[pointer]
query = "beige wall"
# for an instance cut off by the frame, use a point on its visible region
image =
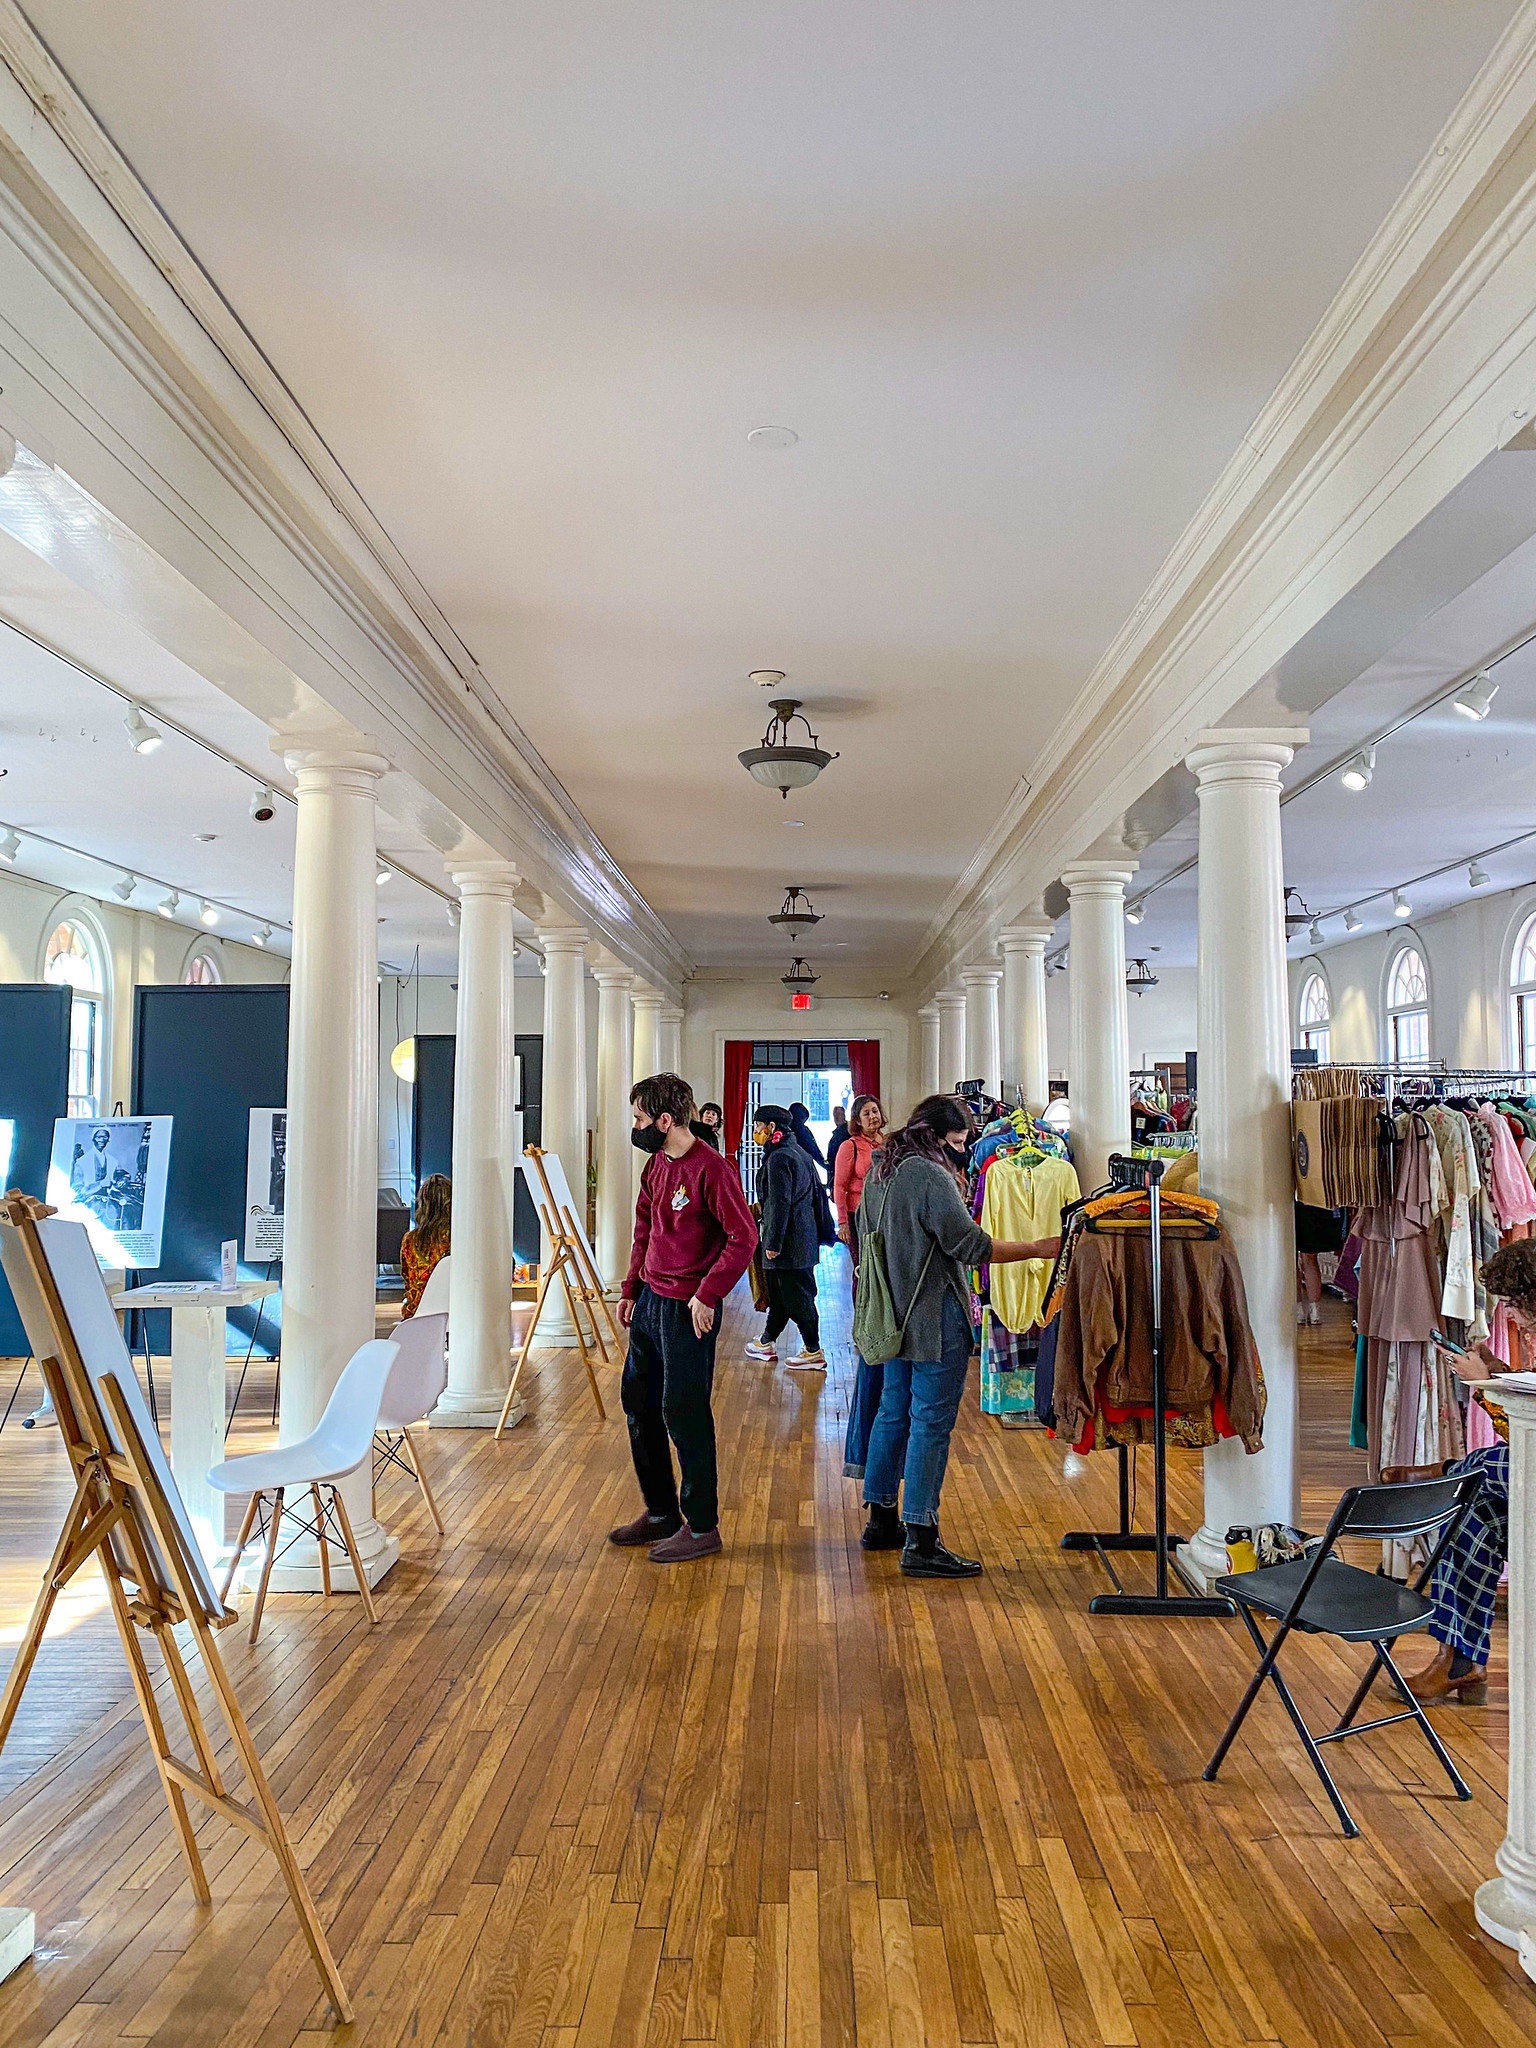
(1160, 1024)
(717, 1010)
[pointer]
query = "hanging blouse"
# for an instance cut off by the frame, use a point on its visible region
(1514, 1199)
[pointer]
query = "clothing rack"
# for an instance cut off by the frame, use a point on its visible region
(1145, 1173)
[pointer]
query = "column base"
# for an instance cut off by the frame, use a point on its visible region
(1203, 1559)
(1506, 1909)
(476, 1408)
(299, 1570)
(18, 1938)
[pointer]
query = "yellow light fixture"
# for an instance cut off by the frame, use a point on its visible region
(403, 1061)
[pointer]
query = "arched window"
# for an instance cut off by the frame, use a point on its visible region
(73, 957)
(1408, 1009)
(1316, 1015)
(201, 971)
(1522, 990)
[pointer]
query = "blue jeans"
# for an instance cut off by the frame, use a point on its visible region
(918, 1405)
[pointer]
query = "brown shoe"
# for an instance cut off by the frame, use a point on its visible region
(685, 1546)
(1435, 1683)
(644, 1529)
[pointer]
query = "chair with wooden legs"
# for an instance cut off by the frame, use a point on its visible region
(415, 1385)
(332, 1451)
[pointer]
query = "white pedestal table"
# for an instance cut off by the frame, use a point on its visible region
(1506, 1904)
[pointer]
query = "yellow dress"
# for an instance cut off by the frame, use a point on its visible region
(1022, 1201)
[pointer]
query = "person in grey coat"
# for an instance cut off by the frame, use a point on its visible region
(913, 1197)
(789, 1239)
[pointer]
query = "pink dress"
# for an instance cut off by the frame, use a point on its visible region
(1514, 1199)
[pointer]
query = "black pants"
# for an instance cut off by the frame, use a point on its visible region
(665, 1390)
(791, 1299)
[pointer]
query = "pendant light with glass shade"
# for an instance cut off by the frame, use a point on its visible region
(798, 915)
(801, 974)
(779, 762)
(1139, 978)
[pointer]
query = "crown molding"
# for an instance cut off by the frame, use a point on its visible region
(1412, 377)
(191, 438)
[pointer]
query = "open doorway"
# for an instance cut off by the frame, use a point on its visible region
(817, 1072)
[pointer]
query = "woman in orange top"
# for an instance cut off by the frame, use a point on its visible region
(866, 1134)
(421, 1248)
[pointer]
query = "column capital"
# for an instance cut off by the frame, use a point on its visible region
(671, 1013)
(613, 977)
(948, 996)
(1101, 878)
(1249, 753)
(928, 1012)
(330, 760)
(496, 878)
(564, 938)
(982, 975)
(1030, 935)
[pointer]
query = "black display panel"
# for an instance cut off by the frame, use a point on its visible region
(34, 1090)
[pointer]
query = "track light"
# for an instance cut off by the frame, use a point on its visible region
(260, 938)
(1359, 769)
(1401, 907)
(125, 888)
(1476, 876)
(263, 806)
(142, 736)
(207, 912)
(1353, 921)
(169, 905)
(1476, 700)
(1316, 933)
(1135, 912)
(453, 910)
(383, 875)
(10, 846)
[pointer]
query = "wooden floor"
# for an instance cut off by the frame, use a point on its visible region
(564, 1796)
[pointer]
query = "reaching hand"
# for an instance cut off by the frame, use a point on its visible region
(703, 1316)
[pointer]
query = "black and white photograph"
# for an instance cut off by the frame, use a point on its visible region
(266, 1181)
(109, 1173)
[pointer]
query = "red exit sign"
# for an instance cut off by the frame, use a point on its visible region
(802, 999)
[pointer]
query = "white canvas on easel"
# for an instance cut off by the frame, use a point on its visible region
(560, 1188)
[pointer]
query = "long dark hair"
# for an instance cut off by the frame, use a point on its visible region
(922, 1136)
(434, 1215)
(857, 1108)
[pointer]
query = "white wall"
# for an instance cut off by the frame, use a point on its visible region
(1161, 1023)
(141, 946)
(1467, 951)
(715, 1010)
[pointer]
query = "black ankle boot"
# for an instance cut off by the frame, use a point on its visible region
(883, 1531)
(926, 1558)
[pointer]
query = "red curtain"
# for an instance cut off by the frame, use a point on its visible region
(864, 1064)
(738, 1065)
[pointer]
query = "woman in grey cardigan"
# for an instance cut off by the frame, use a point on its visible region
(914, 1198)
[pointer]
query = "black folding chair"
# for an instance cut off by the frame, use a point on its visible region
(1322, 1595)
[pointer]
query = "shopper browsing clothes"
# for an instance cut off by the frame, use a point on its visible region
(1467, 1578)
(866, 1134)
(790, 1240)
(429, 1240)
(694, 1238)
(913, 1195)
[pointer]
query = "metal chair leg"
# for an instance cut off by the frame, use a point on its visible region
(1255, 1686)
(1346, 1818)
(1463, 1790)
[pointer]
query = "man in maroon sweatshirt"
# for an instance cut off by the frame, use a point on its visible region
(694, 1237)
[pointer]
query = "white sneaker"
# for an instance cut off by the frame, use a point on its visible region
(808, 1361)
(1301, 1313)
(1314, 1313)
(764, 1351)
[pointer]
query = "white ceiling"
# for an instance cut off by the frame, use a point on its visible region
(1018, 274)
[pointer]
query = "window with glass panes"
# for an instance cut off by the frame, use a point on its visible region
(201, 972)
(1408, 1009)
(1522, 992)
(74, 959)
(1316, 1016)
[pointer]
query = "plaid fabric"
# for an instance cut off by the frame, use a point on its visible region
(1007, 1367)
(1467, 1577)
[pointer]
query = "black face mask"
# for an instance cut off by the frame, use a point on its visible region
(648, 1140)
(959, 1150)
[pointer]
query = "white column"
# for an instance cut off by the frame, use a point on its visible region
(1506, 1904)
(669, 1048)
(564, 1110)
(615, 1182)
(329, 1240)
(1244, 1038)
(928, 1061)
(982, 1059)
(647, 1006)
(1025, 1053)
(1098, 1063)
(484, 1152)
(951, 1002)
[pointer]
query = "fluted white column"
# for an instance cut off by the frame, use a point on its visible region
(1098, 1063)
(928, 1058)
(563, 1119)
(1506, 1904)
(484, 1152)
(1025, 1052)
(670, 1043)
(329, 1243)
(1245, 1106)
(615, 1182)
(982, 1057)
(951, 1002)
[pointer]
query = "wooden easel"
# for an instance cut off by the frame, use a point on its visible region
(122, 1516)
(571, 1263)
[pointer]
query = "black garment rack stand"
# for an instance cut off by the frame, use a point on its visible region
(1145, 1173)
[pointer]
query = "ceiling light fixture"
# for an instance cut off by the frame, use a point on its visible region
(1135, 912)
(1476, 876)
(207, 912)
(1401, 907)
(1476, 700)
(1358, 770)
(1353, 921)
(801, 974)
(123, 889)
(261, 937)
(454, 913)
(1139, 978)
(10, 846)
(142, 736)
(383, 875)
(777, 762)
(263, 806)
(169, 905)
(766, 678)
(772, 437)
(793, 919)
(1316, 933)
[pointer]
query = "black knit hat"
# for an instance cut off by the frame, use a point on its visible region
(770, 1113)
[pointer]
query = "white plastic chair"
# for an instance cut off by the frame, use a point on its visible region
(416, 1381)
(434, 1296)
(334, 1449)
